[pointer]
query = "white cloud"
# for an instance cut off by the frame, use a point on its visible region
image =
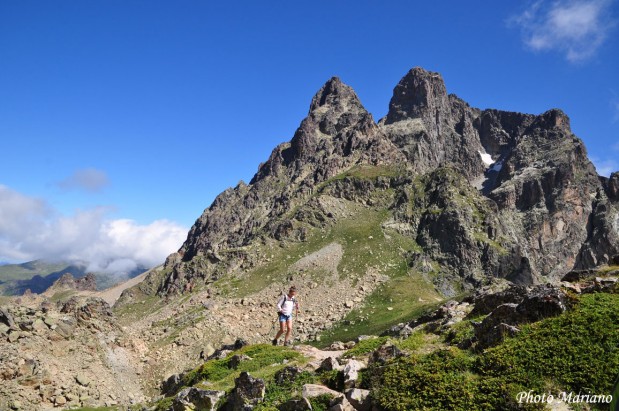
(606, 166)
(87, 179)
(30, 229)
(576, 28)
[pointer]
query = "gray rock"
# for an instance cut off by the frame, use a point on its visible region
(384, 353)
(340, 404)
(82, 379)
(247, 392)
(196, 399)
(315, 390)
(359, 399)
(329, 364)
(171, 384)
(7, 319)
(236, 360)
(351, 372)
(540, 302)
(287, 375)
(207, 352)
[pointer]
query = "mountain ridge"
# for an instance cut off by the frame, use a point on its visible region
(543, 187)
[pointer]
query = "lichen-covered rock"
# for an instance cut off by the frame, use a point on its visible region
(287, 374)
(384, 353)
(538, 303)
(359, 399)
(247, 392)
(196, 399)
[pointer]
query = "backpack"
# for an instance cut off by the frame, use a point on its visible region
(285, 298)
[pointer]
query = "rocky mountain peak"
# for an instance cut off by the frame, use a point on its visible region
(554, 119)
(334, 94)
(420, 94)
(527, 206)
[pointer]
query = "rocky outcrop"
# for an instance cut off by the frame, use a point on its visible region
(247, 392)
(541, 302)
(68, 282)
(51, 355)
(196, 399)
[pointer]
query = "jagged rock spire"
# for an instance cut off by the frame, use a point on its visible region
(335, 94)
(420, 94)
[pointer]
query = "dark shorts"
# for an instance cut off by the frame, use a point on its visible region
(283, 318)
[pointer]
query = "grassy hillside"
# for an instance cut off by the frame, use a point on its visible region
(577, 351)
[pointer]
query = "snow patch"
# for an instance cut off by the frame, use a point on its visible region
(486, 158)
(497, 166)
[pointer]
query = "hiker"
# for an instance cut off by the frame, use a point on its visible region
(285, 305)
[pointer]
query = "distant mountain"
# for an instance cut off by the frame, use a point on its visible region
(38, 275)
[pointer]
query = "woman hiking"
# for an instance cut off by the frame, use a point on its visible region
(285, 305)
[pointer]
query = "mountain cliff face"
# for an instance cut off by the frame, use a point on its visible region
(480, 193)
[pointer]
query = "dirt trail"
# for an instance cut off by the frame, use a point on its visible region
(112, 294)
(317, 355)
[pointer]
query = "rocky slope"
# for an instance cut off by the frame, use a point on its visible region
(482, 193)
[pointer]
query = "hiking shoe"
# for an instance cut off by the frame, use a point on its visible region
(287, 343)
(274, 342)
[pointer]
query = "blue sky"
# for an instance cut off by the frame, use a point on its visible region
(121, 121)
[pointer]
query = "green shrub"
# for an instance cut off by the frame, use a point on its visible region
(262, 355)
(412, 343)
(365, 347)
(321, 403)
(577, 351)
(276, 394)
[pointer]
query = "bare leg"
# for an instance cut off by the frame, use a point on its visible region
(288, 331)
(281, 330)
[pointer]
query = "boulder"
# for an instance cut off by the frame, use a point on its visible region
(239, 343)
(247, 392)
(236, 360)
(385, 353)
(7, 319)
(171, 384)
(543, 301)
(287, 375)
(485, 302)
(66, 327)
(82, 379)
(15, 335)
(39, 326)
(196, 399)
(351, 372)
(359, 399)
(316, 390)
(207, 352)
(329, 364)
(340, 404)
